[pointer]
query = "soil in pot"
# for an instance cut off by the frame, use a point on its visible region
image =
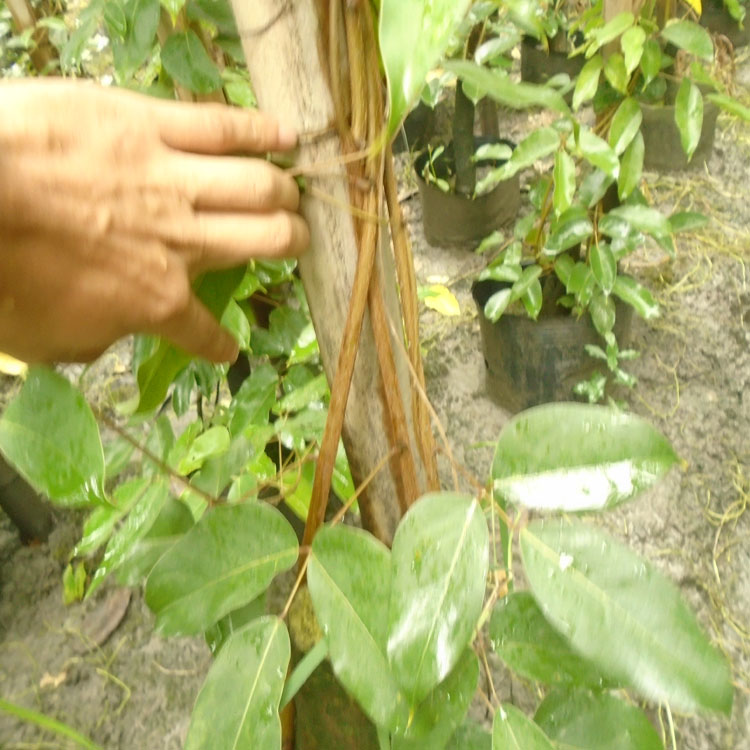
(535, 362)
(661, 138)
(716, 18)
(452, 219)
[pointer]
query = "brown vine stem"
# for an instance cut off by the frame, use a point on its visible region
(373, 218)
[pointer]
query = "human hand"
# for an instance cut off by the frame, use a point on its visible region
(111, 203)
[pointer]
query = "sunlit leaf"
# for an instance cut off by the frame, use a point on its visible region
(612, 29)
(588, 81)
(688, 115)
(632, 47)
(598, 152)
(439, 564)
(617, 610)
(731, 105)
(603, 312)
(413, 36)
(645, 219)
(49, 434)
(689, 36)
(349, 576)
(603, 265)
(513, 730)
(615, 72)
(637, 296)
(581, 720)
(626, 123)
(565, 181)
(238, 705)
(497, 304)
(439, 714)
(577, 457)
(440, 299)
(631, 167)
(651, 60)
(11, 366)
(227, 559)
(530, 646)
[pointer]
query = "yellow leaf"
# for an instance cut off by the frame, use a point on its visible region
(695, 5)
(439, 298)
(10, 366)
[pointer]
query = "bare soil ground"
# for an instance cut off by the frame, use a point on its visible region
(132, 689)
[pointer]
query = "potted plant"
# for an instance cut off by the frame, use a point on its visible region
(453, 210)
(586, 216)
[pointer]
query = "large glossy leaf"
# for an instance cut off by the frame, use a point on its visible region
(539, 144)
(644, 219)
(577, 457)
(157, 372)
(147, 497)
(603, 265)
(689, 36)
(436, 718)
(349, 576)
(631, 167)
(440, 560)
(688, 115)
(617, 610)
(530, 646)
(48, 432)
(588, 81)
(238, 705)
(499, 86)
(513, 730)
(227, 559)
(632, 47)
(625, 124)
(598, 152)
(641, 300)
(565, 181)
(581, 720)
(413, 36)
(185, 59)
(611, 30)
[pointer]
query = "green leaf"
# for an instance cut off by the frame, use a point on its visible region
(499, 86)
(252, 403)
(439, 565)
(602, 311)
(470, 736)
(497, 304)
(142, 24)
(731, 105)
(687, 221)
(436, 718)
(611, 30)
(689, 36)
(530, 646)
(219, 633)
(565, 181)
(631, 167)
(174, 520)
(238, 705)
(577, 457)
(49, 434)
(413, 36)
(512, 730)
(569, 230)
(626, 123)
(73, 583)
(235, 321)
(688, 115)
(147, 497)
(158, 371)
(581, 720)
(617, 610)
(539, 144)
(173, 6)
(532, 299)
(598, 152)
(349, 576)
(637, 296)
(632, 42)
(116, 20)
(644, 219)
(588, 81)
(185, 59)
(529, 275)
(227, 559)
(616, 74)
(213, 442)
(651, 60)
(603, 265)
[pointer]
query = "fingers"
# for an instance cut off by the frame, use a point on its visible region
(196, 331)
(232, 183)
(216, 241)
(218, 129)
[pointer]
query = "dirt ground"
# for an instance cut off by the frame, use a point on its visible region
(131, 689)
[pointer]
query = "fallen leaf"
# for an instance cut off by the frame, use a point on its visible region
(439, 298)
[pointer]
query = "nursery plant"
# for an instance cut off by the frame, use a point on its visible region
(401, 619)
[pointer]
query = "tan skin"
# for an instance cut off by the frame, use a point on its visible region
(111, 203)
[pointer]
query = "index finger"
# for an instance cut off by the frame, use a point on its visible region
(220, 129)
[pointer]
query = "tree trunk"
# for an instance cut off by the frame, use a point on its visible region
(286, 47)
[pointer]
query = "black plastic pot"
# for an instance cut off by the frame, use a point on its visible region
(716, 18)
(661, 138)
(452, 219)
(538, 66)
(417, 130)
(535, 362)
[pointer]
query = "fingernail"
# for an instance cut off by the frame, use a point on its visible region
(287, 136)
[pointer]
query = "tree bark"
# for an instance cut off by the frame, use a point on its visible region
(285, 47)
